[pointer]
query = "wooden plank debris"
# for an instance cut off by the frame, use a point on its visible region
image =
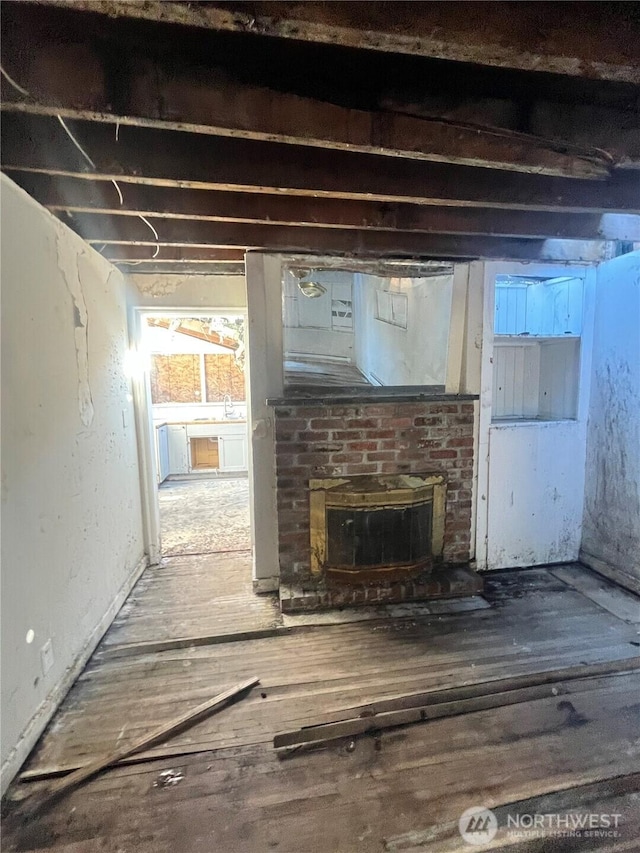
(420, 707)
(167, 730)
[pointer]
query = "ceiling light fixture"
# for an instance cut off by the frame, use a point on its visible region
(310, 289)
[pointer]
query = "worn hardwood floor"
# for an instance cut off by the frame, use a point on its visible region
(192, 598)
(575, 748)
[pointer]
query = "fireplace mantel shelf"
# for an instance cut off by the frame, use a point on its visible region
(400, 394)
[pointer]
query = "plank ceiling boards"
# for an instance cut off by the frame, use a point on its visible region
(377, 130)
(231, 791)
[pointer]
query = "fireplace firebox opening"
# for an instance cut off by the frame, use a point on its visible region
(368, 529)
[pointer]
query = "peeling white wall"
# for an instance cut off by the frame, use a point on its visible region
(71, 518)
(181, 291)
(611, 525)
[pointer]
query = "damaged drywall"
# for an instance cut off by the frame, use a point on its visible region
(186, 291)
(68, 263)
(72, 540)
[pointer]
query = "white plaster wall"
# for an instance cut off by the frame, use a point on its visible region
(308, 326)
(71, 518)
(611, 531)
(416, 355)
(182, 291)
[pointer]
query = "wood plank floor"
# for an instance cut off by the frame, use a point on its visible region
(403, 789)
(201, 595)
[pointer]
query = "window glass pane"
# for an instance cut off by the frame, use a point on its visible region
(223, 376)
(175, 379)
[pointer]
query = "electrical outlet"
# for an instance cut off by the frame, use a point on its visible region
(46, 656)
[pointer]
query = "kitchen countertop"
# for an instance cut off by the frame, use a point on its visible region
(204, 421)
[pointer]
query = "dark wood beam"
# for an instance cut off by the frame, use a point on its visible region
(149, 156)
(592, 125)
(76, 80)
(99, 229)
(594, 40)
(570, 111)
(173, 260)
(171, 254)
(79, 196)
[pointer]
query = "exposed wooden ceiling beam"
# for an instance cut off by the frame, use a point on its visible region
(78, 196)
(570, 110)
(75, 80)
(210, 337)
(143, 155)
(171, 254)
(582, 124)
(594, 40)
(98, 229)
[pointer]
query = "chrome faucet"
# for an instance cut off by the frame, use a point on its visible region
(228, 406)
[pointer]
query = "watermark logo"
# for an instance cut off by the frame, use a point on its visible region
(478, 825)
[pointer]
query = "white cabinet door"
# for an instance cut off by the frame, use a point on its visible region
(233, 453)
(178, 450)
(536, 483)
(162, 452)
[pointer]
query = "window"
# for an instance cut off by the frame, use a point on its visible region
(189, 378)
(175, 379)
(392, 308)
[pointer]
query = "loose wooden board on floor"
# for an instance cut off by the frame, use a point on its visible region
(322, 670)
(246, 800)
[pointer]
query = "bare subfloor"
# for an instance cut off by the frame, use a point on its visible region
(200, 516)
(570, 746)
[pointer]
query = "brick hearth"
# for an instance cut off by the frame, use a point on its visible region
(338, 439)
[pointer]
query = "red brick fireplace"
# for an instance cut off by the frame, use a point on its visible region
(325, 439)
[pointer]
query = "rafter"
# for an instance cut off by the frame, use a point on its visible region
(75, 80)
(201, 236)
(70, 195)
(147, 156)
(210, 337)
(598, 41)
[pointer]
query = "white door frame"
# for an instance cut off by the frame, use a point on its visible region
(266, 380)
(141, 388)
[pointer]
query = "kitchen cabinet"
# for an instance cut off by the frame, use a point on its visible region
(163, 466)
(201, 446)
(233, 452)
(178, 449)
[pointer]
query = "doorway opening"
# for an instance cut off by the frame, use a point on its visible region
(198, 418)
